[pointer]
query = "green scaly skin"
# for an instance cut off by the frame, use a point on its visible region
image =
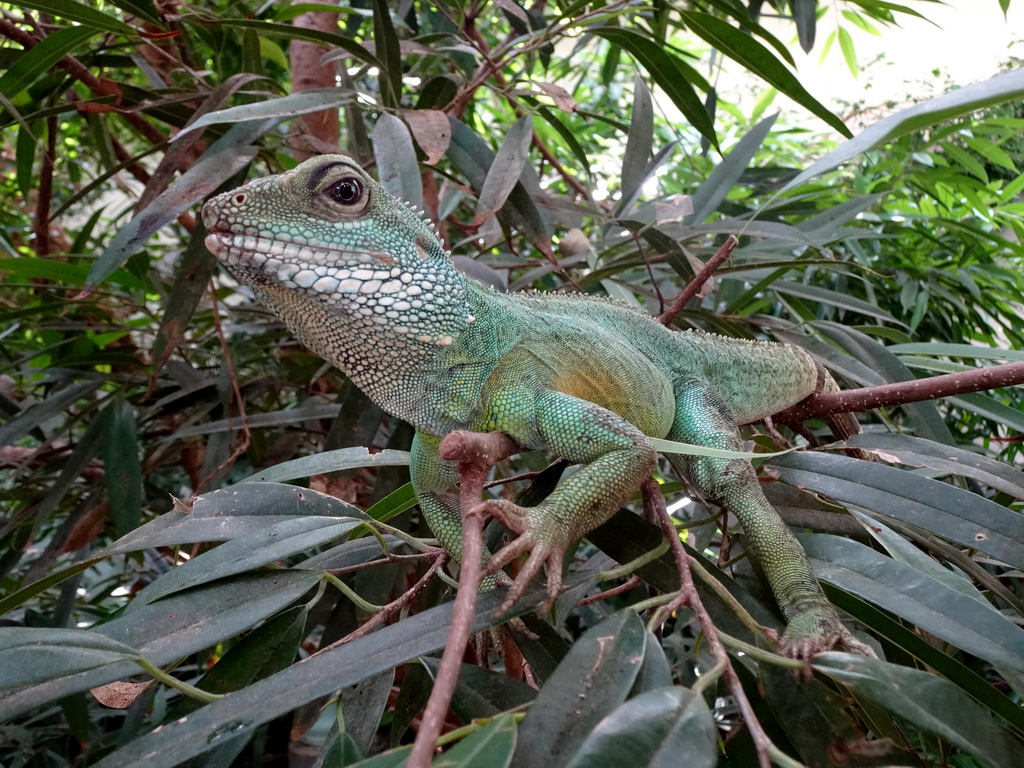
(362, 280)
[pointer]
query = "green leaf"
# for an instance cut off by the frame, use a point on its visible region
(849, 52)
(663, 728)
(927, 701)
(83, 14)
(397, 169)
(272, 110)
(39, 413)
(482, 693)
(960, 619)
(918, 452)
(714, 189)
(39, 59)
(990, 151)
(491, 746)
(261, 547)
(505, 170)
(232, 512)
(318, 676)
(834, 298)
(639, 143)
(122, 468)
(291, 32)
(591, 681)
(226, 157)
(388, 49)
(952, 513)
(30, 656)
(329, 461)
(668, 73)
(759, 60)
(1006, 87)
(165, 632)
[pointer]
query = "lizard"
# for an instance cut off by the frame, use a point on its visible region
(363, 280)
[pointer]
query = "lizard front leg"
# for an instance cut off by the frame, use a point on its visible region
(616, 458)
(702, 418)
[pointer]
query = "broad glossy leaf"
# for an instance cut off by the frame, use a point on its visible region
(952, 513)
(1006, 87)
(917, 597)
(166, 631)
(329, 461)
(663, 728)
(591, 681)
(491, 746)
(927, 701)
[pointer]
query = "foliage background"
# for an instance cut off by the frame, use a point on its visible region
(135, 374)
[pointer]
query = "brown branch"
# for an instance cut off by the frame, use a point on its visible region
(654, 507)
(45, 192)
(668, 316)
(475, 454)
(902, 392)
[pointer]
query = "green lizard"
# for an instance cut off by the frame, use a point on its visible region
(363, 280)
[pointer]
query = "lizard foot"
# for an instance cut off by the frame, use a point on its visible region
(537, 535)
(816, 631)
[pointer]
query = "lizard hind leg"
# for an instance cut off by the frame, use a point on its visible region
(703, 418)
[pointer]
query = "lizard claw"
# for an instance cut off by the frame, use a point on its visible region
(543, 554)
(814, 632)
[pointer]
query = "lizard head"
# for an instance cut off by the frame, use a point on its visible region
(326, 233)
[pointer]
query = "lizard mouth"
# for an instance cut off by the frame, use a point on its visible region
(235, 248)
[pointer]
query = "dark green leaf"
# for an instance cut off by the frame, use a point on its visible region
(927, 701)
(587, 686)
(39, 59)
(759, 60)
(83, 14)
(491, 746)
(639, 142)
(663, 728)
(966, 622)
(123, 470)
(667, 73)
(952, 513)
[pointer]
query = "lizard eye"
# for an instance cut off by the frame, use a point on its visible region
(347, 191)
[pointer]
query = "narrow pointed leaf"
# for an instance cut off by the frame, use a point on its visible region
(329, 461)
(40, 58)
(758, 59)
(952, 513)
(1000, 89)
(505, 169)
(398, 171)
(927, 701)
(83, 14)
(917, 597)
(491, 746)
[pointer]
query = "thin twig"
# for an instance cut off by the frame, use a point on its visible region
(395, 605)
(688, 596)
(693, 287)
